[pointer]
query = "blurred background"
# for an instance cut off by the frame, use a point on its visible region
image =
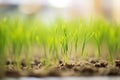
(48, 10)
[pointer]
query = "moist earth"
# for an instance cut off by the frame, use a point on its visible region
(82, 68)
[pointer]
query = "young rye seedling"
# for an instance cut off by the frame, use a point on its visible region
(24, 35)
(98, 38)
(17, 43)
(3, 44)
(64, 44)
(87, 36)
(112, 41)
(53, 44)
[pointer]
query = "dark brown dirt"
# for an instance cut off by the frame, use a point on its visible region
(117, 63)
(83, 68)
(12, 73)
(114, 71)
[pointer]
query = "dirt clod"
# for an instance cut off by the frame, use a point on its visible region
(8, 62)
(23, 64)
(117, 63)
(37, 62)
(93, 61)
(69, 66)
(101, 64)
(60, 62)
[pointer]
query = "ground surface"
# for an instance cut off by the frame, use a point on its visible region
(83, 68)
(66, 78)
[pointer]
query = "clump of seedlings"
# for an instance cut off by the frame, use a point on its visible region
(35, 46)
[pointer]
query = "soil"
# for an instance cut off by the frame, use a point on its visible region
(82, 68)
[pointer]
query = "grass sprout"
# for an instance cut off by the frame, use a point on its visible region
(60, 40)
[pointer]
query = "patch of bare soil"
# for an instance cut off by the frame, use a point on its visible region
(83, 68)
